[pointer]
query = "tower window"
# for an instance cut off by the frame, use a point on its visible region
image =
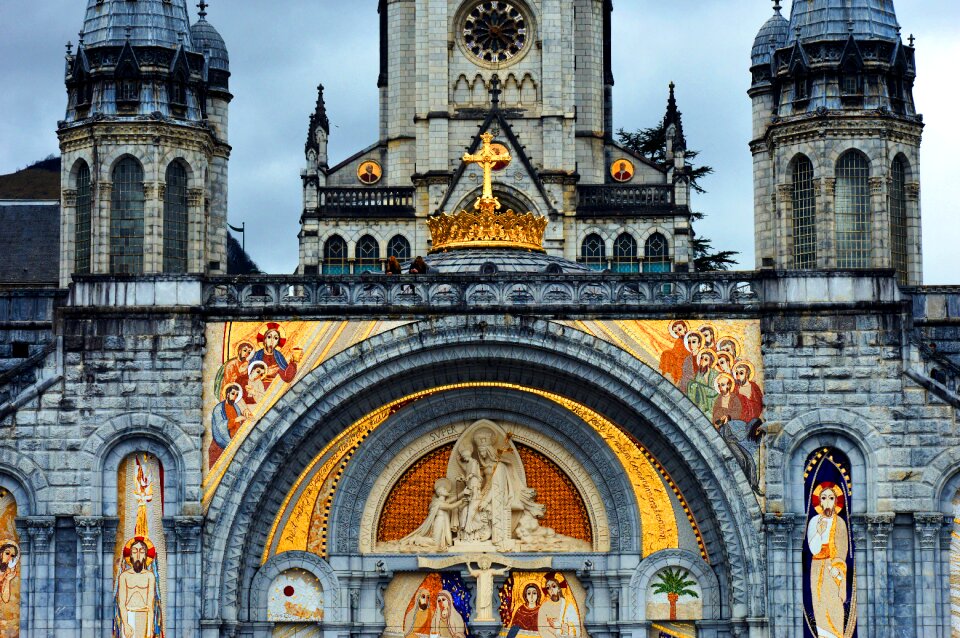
(84, 209)
(853, 212)
(126, 219)
(335, 256)
(804, 215)
(625, 254)
(850, 84)
(368, 255)
(656, 254)
(175, 220)
(593, 252)
(128, 91)
(84, 93)
(898, 219)
(178, 93)
(801, 89)
(399, 247)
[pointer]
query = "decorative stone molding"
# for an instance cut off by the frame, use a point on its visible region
(188, 529)
(779, 527)
(829, 186)
(876, 184)
(150, 190)
(40, 531)
(913, 191)
(928, 526)
(195, 197)
(161, 191)
(89, 531)
(69, 197)
(879, 527)
(785, 191)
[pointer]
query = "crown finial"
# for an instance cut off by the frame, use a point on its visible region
(203, 9)
(911, 40)
(776, 6)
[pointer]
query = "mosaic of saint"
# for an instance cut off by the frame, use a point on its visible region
(541, 605)
(9, 567)
(428, 606)
(830, 591)
(140, 578)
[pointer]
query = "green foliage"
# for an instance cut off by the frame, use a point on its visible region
(674, 581)
(651, 143)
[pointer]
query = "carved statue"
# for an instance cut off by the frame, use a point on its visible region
(484, 503)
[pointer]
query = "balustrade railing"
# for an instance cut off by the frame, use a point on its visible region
(366, 202)
(600, 200)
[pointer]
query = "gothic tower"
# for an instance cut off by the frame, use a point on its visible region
(836, 140)
(144, 143)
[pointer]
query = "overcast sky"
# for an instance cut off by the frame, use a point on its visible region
(281, 49)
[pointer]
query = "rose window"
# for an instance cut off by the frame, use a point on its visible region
(495, 31)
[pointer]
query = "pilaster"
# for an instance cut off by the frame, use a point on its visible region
(780, 532)
(187, 530)
(90, 534)
(879, 527)
(928, 526)
(41, 575)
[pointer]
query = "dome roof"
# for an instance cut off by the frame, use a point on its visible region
(775, 32)
(837, 19)
(146, 22)
(505, 260)
(207, 40)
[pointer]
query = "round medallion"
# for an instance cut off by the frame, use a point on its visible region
(369, 172)
(495, 31)
(500, 149)
(622, 170)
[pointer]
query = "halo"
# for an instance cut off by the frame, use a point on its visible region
(226, 390)
(445, 483)
(709, 327)
(710, 353)
(151, 550)
(725, 355)
(826, 485)
(673, 324)
(716, 382)
(255, 364)
(686, 340)
(751, 372)
(244, 343)
(10, 541)
(555, 576)
(737, 346)
(272, 325)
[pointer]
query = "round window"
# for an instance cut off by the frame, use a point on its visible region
(495, 31)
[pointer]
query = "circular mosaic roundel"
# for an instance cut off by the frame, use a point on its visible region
(495, 31)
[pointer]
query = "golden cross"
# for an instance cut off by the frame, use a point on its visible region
(487, 158)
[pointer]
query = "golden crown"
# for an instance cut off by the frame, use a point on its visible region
(485, 227)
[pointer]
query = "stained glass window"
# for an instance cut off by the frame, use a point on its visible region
(625, 257)
(175, 220)
(593, 252)
(84, 213)
(399, 247)
(853, 212)
(804, 215)
(335, 256)
(126, 219)
(368, 255)
(898, 219)
(656, 254)
(495, 31)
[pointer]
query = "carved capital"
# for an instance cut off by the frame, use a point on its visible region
(195, 197)
(928, 526)
(105, 190)
(150, 190)
(779, 527)
(188, 530)
(913, 191)
(161, 191)
(40, 532)
(876, 184)
(858, 529)
(785, 191)
(69, 197)
(89, 531)
(829, 186)
(879, 526)
(817, 185)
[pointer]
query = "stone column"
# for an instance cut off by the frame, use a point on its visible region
(100, 230)
(781, 596)
(879, 527)
(928, 526)
(943, 580)
(197, 233)
(41, 571)
(795, 574)
(89, 533)
(188, 581)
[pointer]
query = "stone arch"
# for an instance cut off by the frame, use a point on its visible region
(510, 197)
(450, 350)
(794, 159)
(648, 232)
(846, 431)
(116, 439)
(25, 480)
(941, 476)
(840, 149)
(329, 583)
(75, 169)
(651, 565)
(118, 157)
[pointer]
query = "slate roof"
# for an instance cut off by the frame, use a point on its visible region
(775, 31)
(31, 244)
(207, 40)
(151, 22)
(507, 260)
(833, 20)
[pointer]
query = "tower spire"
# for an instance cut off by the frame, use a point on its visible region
(203, 9)
(674, 119)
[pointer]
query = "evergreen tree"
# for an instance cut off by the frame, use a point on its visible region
(651, 143)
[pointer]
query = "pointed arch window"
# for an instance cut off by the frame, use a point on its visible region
(593, 252)
(853, 214)
(175, 220)
(335, 256)
(368, 255)
(126, 219)
(656, 254)
(898, 219)
(625, 257)
(399, 247)
(804, 215)
(84, 220)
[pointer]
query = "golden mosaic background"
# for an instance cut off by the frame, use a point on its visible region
(406, 507)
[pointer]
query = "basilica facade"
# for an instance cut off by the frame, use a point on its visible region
(550, 425)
